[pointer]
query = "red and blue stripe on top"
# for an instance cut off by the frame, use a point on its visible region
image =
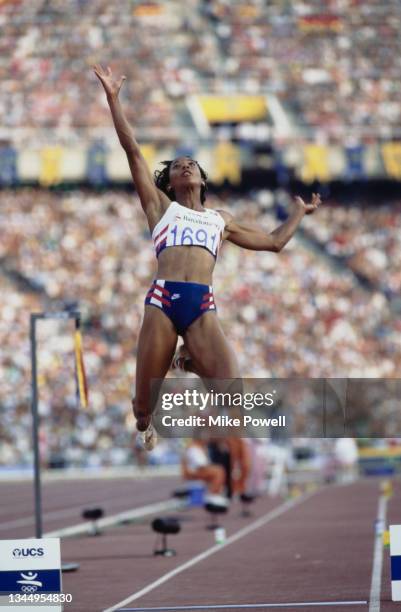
(182, 226)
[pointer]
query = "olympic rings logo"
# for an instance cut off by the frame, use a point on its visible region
(29, 589)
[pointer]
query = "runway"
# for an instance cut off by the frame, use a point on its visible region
(315, 551)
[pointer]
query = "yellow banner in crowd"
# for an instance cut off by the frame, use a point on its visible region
(148, 151)
(227, 164)
(391, 152)
(316, 164)
(50, 166)
(221, 109)
(80, 370)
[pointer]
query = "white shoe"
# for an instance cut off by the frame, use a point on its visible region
(149, 438)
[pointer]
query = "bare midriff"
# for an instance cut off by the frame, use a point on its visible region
(191, 264)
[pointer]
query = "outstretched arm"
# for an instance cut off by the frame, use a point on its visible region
(152, 199)
(252, 238)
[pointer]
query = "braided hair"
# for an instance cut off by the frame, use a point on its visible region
(162, 179)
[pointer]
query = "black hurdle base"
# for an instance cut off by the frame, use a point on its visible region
(246, 500)
(163, 550)
(164, 526)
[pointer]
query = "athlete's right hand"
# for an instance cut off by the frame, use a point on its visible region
(110, 84)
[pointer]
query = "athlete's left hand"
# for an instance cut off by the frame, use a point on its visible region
(312, 206)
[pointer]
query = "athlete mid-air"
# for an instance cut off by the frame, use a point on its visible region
(186, 238)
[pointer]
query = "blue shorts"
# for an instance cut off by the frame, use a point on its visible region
(182, 302)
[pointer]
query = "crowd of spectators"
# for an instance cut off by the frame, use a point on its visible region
(334, 64)
(375, 254)
(286, 315)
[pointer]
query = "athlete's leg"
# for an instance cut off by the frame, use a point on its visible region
(156, 346)
(213, 475)
(210, 353)
(241, 463)
(212, 358)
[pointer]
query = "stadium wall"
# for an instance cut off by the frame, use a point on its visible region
(99, 165)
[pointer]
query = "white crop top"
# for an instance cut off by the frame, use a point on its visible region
(182, 226)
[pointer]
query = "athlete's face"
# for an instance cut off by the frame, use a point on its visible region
(184, 172)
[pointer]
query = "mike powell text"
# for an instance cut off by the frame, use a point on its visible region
(222, 421)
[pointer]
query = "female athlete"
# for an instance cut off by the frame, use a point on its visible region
(186, 237)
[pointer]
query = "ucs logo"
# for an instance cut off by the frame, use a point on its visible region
(28, 552)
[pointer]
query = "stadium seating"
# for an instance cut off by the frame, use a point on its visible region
(292, 314)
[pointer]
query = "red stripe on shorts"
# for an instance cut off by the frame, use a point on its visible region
(161, 299)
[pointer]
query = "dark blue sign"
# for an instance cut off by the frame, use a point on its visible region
(354, 160)
(28, 581)
(96, 171)
(8, 166)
